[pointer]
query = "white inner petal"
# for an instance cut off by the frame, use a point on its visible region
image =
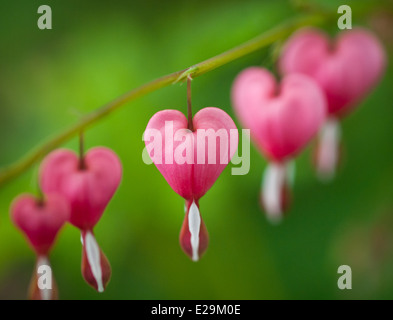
(46, 294)
(194, 225)
(291, 172)
(327, 156)
(272, 183)
(94, 259)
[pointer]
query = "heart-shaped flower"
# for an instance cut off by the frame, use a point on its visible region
(345, 68)
(89, 188)
(282, 119)
(191, 161)
(40, 220)
(88, 184)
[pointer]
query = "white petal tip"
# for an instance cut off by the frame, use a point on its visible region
(328, 151)
(291, 172)
(273, 180)
(94, 259)
(194, 225)
(325, 177)
(274, 220)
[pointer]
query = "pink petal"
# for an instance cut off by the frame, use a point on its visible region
(282, 118)
(40, 222)
(89, 190)
(192, 177)
(346, 69)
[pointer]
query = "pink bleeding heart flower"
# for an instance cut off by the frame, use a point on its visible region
(346, 68)
(282, 119)
(40, 220)
(88, 184)
(191, 161)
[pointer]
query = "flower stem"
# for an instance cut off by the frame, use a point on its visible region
(189, 105)
(81, 151)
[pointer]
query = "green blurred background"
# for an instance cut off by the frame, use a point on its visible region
(98, 50)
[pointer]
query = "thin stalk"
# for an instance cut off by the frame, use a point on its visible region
(189, 105)
(81, 151)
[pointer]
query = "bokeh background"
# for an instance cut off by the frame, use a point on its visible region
(98, 50)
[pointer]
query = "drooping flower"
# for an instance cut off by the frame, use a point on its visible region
(191, 162)
(40, 220)
(88, 184)
(282, 119)
(346, 69)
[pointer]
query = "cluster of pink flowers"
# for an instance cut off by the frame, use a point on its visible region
(322, 80)
(76, 190)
